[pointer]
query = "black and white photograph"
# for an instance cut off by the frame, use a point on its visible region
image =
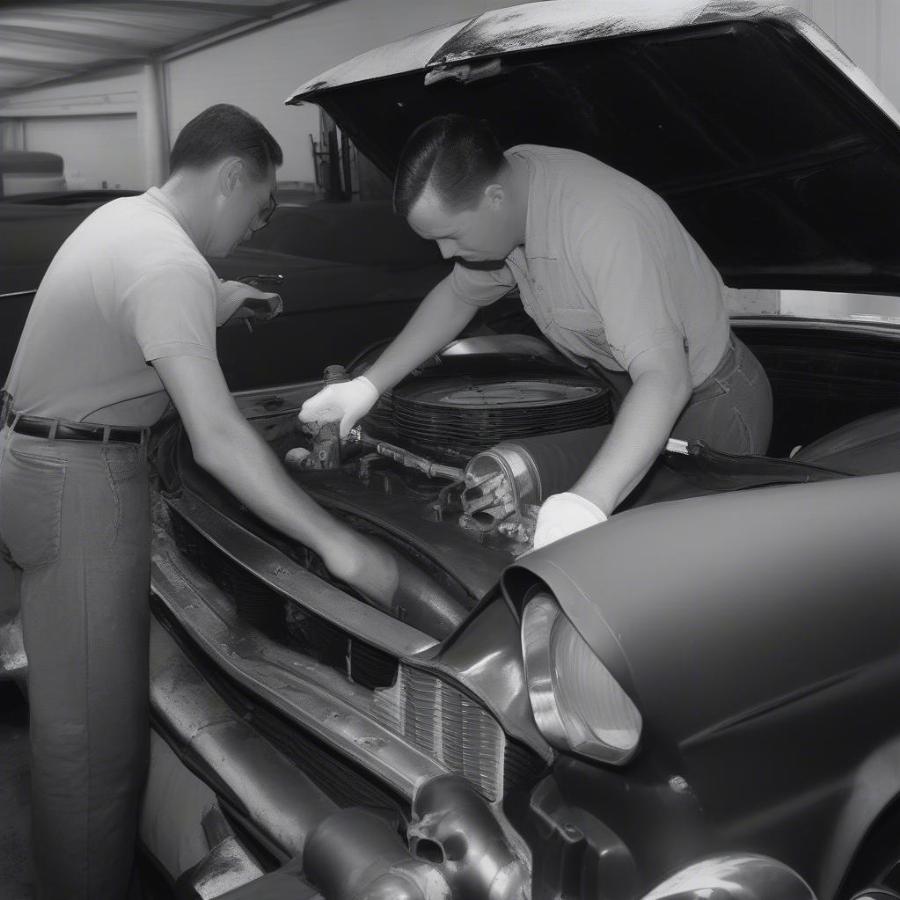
(450, 450)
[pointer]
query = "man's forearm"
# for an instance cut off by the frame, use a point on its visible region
(439, 318)
(642, 427)
(244, 464)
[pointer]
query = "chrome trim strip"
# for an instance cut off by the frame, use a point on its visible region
(279, 572)
(851, 326)
(314, 696)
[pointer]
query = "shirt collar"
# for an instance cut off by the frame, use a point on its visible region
(536, 237)
(158, 197)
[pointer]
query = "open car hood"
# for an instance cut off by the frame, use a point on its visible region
(777, 153)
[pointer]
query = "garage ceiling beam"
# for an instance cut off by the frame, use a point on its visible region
(271, 15)
(7, 59)
(214, 22)
(62, 40)
(245, 10)
(184, 6)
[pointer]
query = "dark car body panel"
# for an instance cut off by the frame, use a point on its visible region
(824, 375)
(324, 299)
(777, 608)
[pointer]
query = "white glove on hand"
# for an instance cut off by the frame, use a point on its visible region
(239, 301)
(563, 514)
(348, 401)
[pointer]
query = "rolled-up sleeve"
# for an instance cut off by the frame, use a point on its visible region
(480, 287)
(630, 288)
(171, 311)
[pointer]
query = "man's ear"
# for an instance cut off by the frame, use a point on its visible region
(230, 171)
(494, 196)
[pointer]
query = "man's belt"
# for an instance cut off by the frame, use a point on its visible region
(60, 430)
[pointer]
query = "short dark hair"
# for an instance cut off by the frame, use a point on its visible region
(457, 155)
(225, 130)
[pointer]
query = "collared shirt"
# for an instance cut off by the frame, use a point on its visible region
(128, 286)
(607, 271)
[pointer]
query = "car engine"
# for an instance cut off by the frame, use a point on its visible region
(476, 450)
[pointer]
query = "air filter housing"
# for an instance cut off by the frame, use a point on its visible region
(456, 418)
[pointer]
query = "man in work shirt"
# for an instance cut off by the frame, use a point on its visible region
(125, 319)
(609, 275)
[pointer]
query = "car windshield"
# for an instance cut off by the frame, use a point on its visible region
(835, 306)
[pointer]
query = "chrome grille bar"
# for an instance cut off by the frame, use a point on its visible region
(441, 721)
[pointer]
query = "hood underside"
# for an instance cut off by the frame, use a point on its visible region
(778, 154)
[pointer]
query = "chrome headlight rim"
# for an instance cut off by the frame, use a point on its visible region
(748, 876)
(540, 614)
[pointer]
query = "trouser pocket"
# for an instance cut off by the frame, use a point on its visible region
(31, 495)
(127, 477)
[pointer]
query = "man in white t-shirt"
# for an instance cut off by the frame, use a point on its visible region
(608, 274)
(125, 320)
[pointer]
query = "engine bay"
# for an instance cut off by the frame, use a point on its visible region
(487, 449)
(452, 465)
(473, 442)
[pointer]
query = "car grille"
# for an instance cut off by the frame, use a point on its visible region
(427, 712)
(441, 721)
(264, 608)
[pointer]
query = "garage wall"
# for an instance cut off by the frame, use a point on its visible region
(98, 151)
(259, 70)
(113, 92)
(91, 122)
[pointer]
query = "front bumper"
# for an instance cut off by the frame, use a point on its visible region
(457, 846)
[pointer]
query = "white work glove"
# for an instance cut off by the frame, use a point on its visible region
(348, 401)
(238, 301)
(563, 514)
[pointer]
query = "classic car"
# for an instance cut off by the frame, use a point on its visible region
(693, 700)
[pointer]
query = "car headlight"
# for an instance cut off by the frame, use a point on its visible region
(577, 704)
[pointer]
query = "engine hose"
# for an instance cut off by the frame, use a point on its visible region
(560, 459)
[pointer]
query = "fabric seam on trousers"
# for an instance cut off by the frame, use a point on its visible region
(87, 720)
(748, 437)
(116, 499)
